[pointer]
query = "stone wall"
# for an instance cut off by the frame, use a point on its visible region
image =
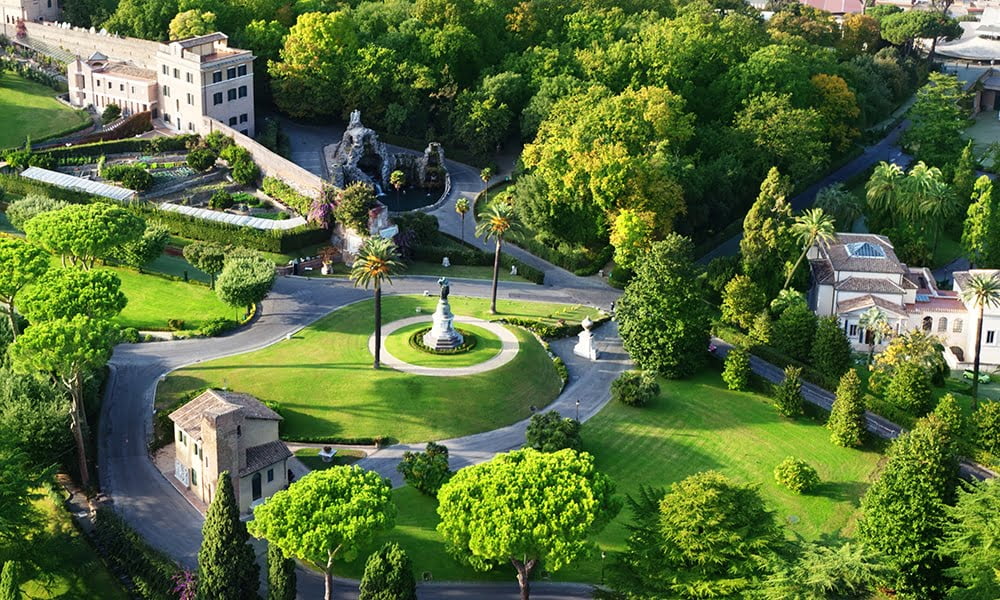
(270, 163)
(84, 43)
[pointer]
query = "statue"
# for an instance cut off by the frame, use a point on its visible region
(442, 334)
(446, 262)
(585, 345)
(445, 287)
(355, 119)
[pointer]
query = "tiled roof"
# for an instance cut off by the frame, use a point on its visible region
(188, 417)
(198, 40)
(871, 285)
(864, 301)
(910, 281)
(938, 304)
(962, 277)
(265, 455)
(841, 260)
(130, 72)
(821, 270)
(837, 7)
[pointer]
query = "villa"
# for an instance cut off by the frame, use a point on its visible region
(225, 431)
(856, 272)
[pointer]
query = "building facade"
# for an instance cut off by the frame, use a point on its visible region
(856, 272)
(226, 431)
(28, 10)
(99, 81)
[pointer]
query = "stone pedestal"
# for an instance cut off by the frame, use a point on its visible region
(442, 335)
(585, 346)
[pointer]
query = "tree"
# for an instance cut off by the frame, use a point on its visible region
(762, 330)
(831, 351)
(207, 256)
(84, 233)
(191, 23)
(981, 232)
(981, 291)
(281, 578)
(963, 180)
(341, 508)
(788, 393)
(972, 542)
(397, 179)
(21, 211)
(377, 262)
(838, 109)
(353, 206)
(934, 201)
(766, 236)
(110, 113)
(69, 350)
(485, 175)
(794, 332)
(245, 280)
(742, 301)
(33, 416)
(20, 485)
(810, 227)
(551, 432)
(227, 565)
(845, 572)
(388, 575)
(910, 389)
(736, 372)
(938, 119)
(494, 511)
(21, 263)
(65, 293)
(847, 423)
(844, 206)
(426, 471)
(10, 581)
(914, 346)
(149, 247)
(663, 322)
(786, 136)
(876, 328)
(144, 19)
(884, 188)
(903, 511)
(986, 421)
(462, 207)
(631, 233)
(496, 223)
(859, 34)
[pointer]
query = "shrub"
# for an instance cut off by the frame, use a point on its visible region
(245, 171)
(388, 575)
(551, 432)
(111, 112)
(22, 211)
(353, 206)
(245, 198)
(151, 572)
(736, 372)
(986, 421)
(910, 389)
(287, 195)
(634, 388)
(221, 200)
(423, 225)
(788, 393)
(796, 475)
(426, 471)
(217, 326)
(217, 141)
(762, 330)
(175, 324)
(847, 416)
(201, 159)
(130, 335)
(793, 332)
(274, 240)
(134, 177)
(831, 351)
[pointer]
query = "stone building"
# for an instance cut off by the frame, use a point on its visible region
(99, 82)
(29, 10)
(228, 431)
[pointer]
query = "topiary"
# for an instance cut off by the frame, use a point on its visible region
(634, 388)
(736, 372)
(796, 475)
(550, 432)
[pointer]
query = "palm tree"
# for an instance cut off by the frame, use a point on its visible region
(397, 179)
(884, 186)
(377, 261)
(494, 224)
(921, 183)
(462, 207)
(981, 290)
(877, 328)
(844, 206)
(486, 174)
(810, 227)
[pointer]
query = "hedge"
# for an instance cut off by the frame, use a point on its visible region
(553, 332)
(149, 571)
(160, 144)
(274, 240)
(472, 256)
(287, 195)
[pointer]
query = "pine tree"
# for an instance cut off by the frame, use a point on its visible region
(281, 579)
(388, 575)
(736, 372)
(831, 352)
(964, 177)
(10, 581)
(910, 389)
(227, 565)
(847, 417)
(762, 330)
(788, 393)
(981, 232)
(767, 243)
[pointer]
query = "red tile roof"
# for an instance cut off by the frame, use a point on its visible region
(837, 7)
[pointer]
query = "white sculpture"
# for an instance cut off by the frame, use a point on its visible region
(442, 335)
(585, 346)
(445, 262)
(513, 269)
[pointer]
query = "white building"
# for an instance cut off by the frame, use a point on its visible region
(856, 272)
(28, 10)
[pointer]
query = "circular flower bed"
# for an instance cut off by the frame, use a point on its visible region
(468, 342)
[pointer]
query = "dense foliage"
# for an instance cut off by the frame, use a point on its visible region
(847, 417)
(227, 565)
(796, 475)
(388, 575)
(788, 393)
(551, 432)
(634, 388)
(426, 471)
(736, 370)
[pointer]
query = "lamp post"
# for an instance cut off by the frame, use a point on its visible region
(603, 555)
(578, 409)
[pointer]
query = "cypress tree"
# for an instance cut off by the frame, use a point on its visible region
(788, 393)
(281, 579)
(736, 372)
(981, 231)
(10, 581)
(227, 565)
(831, 352)
(766, 243)
(388, 575)
(847, 417)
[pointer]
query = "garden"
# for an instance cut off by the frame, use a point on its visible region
(30, 110)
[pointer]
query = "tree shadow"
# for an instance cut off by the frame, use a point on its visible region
(841, 491)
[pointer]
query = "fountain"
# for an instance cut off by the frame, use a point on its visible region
(442, 335)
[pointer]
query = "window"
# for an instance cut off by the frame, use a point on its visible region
(180, 436)
(853, 330)
(927, 323)
(189, 77)
(166, 117)
(232, 121)
(243, 118)
(133, 89)
(956, 326)
(190, 98)
(217, 77)
(50, 3)
(241, 70)
(243, 91)
(177, 73)
(231, 95)
(190, 126)
(230, 72)
(217, 98)
(194, 477)
(990, 337)
(144, 109)
(98, 82)
(166, 91)
(239, 431)
(270, 475)
(166, 70)
(121, 87)
(942, 325)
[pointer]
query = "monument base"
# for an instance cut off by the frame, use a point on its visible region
(443, 335)
(585, 346)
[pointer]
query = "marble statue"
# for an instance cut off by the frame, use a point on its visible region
(443, 335)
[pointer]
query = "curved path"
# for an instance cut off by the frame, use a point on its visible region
(508, 349)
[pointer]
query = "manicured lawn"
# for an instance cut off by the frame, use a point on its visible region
(323, 379)
(72, 569)
(695, 425)
(311, 459)
(152, 301)
(487, 346)
(30, 108)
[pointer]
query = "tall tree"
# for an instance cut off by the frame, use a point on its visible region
(139, 253)
(784, 135)
(10, 581)
(65, 293)
(788, 393)
(845, 207)
(847, 416)
(742, 301)
(810, 227)
(766, 237)
(388, 575)
(831, 352)
(245, 280)
(68, 350)
(21, 263)
(85, 233)
(227, 565)
(493, 511)
(207, 256)
(938, 119)
(663, 321)
(377, 262)
(884, 187)
(963, 179)
(981, 291)
(981, 232)
(462, 207)
(191, 23)
(631, 233)
(342, 509)
(496, 223)
(972, 541)
(144, 19)
(281, 578)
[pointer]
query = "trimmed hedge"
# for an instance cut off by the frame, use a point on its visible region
(149, 571)
(160, 144)
(553, 332)
(275, 240)
(22, 186)
(473, 256)
(287, 195)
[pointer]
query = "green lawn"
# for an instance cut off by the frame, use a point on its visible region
(694, 425)
(325, 385)
(487, 346)
(72, 569)
(30, 108)
(311, 459)
(152, 301)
